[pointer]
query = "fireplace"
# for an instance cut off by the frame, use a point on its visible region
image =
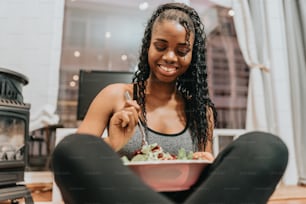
(14, 132)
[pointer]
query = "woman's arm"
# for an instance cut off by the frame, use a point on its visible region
(206, 153)
(110, 109)
(98, 113)
(210, 130)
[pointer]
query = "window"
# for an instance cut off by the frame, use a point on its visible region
(107, 36)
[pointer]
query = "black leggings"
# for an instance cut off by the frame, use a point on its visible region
(247, 171)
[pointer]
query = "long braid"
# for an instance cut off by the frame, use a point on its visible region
(193, 83)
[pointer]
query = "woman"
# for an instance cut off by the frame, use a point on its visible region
(172, 86)
(172, 102)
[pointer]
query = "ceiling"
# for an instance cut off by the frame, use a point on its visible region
(87, 21)
(199, 5)
(205, 8)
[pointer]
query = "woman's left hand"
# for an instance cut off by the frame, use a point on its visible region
(203, 155)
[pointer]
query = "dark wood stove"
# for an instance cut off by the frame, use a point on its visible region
(14, 133)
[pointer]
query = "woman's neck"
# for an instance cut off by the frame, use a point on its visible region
(161, 90)
(164, 107)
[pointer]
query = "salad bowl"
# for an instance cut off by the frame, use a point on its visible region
(169, 175)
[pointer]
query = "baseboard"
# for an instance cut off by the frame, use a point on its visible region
(35, 177)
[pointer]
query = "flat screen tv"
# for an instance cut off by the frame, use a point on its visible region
(92, 81)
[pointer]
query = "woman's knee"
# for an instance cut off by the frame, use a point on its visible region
(264, 148)
(264, 142)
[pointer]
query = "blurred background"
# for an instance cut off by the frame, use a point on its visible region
(255, 58)
(106, 35)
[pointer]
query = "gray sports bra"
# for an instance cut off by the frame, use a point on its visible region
(169, 142)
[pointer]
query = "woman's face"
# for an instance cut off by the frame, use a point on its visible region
(169, 54)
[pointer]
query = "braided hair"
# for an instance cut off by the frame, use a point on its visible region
(193, 83)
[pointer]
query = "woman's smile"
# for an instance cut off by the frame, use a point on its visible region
(169, 69)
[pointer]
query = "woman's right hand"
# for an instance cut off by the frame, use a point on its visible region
(122, 125)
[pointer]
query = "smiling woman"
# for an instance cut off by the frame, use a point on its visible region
(171, 102)
(94, 29)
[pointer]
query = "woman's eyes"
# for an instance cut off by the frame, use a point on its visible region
(183, 51)
(180, 51)
(160, 48)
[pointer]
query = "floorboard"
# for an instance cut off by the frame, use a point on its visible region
(42, 194)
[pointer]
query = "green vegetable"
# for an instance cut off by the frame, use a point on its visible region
(183, 155)
(154, 152)
(125, 159)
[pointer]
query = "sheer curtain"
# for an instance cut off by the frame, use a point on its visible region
(295, 22)
(262, 38)
(260, 110)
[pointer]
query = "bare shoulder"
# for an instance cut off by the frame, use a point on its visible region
(114, 93)
(116, 90)
(107, 101)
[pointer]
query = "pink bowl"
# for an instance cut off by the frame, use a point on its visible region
(169, 175)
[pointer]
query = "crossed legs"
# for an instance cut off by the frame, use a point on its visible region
(87, 170)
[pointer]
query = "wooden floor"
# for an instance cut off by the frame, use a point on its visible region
(289, 195)
(42, 193)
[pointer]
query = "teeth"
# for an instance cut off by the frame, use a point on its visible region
(167, 69)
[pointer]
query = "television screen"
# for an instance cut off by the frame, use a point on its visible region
(92, 81)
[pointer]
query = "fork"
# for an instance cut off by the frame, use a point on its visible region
(142, 131)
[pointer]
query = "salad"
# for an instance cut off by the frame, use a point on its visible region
(153, 152)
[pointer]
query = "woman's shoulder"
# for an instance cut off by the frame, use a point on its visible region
(111, 97)
(119, 87)
(115, 91)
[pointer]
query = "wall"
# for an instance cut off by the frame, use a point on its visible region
(30, 43)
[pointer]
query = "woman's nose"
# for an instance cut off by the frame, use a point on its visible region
(170, 56)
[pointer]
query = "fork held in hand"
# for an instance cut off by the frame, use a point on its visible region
(142, 131)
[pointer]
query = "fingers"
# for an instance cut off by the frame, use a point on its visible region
(132, 110)
(128, 118)
(121, 128)
(122, 125)
(132, 103)
(203, 155)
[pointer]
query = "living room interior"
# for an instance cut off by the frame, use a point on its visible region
(256, 69)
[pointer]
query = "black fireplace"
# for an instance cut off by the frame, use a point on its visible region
(14, 133)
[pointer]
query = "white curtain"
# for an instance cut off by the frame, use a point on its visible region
(260, 31)
(260, 112)
(295, 22)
